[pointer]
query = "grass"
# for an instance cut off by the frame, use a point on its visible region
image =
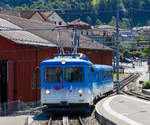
(120, 75)
(146, 85)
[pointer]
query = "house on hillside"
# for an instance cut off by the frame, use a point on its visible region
(53, 17)
(83, 26)
(21, 53)
(103, 33)
(47, 16)
(34, 15)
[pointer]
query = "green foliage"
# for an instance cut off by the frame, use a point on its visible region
(148, 22)
(124, 23)
(146, 85)
(7, 6)
(120, 75)
(98, 22)
(142, 37)
(95, 2)
(113, 21)
(89, 20)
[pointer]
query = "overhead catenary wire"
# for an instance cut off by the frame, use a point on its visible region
(76, 11)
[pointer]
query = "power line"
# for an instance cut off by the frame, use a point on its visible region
(77, 10)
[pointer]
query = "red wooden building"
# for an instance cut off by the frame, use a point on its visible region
(21, 53)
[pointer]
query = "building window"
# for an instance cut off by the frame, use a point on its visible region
(60, 23)
(87, 33)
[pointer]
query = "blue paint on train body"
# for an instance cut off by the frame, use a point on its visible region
(73, 80)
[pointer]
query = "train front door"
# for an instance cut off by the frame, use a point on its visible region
(3, 81)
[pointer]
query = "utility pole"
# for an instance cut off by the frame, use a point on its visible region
(117, 54)
(37, 74)
(76, 40)
(149, 59)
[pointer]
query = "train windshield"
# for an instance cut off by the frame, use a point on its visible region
(74, 74)
(53, 74)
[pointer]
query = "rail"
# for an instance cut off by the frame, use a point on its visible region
(81, 121)
(136, 94)
(50, 121)
(127, 80)
(65, 120)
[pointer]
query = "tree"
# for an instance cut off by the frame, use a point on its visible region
(7, 6)
(148, 22)
(95, 2)
(124, 23)
(89, 20)
(98, 22)
(19, 8)
(113, 21)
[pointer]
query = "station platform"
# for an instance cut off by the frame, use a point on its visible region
(123, 110)
(13, 120)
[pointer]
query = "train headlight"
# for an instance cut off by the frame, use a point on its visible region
(48, 92)
(80, 92)
(63, 62)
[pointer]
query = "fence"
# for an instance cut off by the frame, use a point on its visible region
(121, 69)
(17, 108)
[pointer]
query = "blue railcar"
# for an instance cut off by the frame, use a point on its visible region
(73, 79)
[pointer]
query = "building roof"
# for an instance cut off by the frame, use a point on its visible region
(24, 14)
(8, 12)
(46, 14)
(80, 24)
(51, 36)
(105, 27)
(22, 37)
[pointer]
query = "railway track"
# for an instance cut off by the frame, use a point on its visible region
(66, 121)
(131, 92)
(127, 80)
(136, 94)
(57, 120)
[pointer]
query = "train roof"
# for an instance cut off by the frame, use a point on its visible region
(104, 67)
(67, 61)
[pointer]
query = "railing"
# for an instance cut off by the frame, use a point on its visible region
(17, 107)
(121, 69)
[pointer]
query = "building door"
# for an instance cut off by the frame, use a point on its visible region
(3, 81)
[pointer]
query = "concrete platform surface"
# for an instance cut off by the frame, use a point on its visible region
(13, 120)
(123, 110)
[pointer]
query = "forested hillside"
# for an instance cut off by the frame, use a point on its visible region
(132, 12)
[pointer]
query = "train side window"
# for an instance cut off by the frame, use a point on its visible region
(89, 74)
(103, 75)
(106, 75)
(97, 76)
(92, 70)
(92, 74)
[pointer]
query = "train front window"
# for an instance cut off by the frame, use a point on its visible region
(53, 74)
(74, 74)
